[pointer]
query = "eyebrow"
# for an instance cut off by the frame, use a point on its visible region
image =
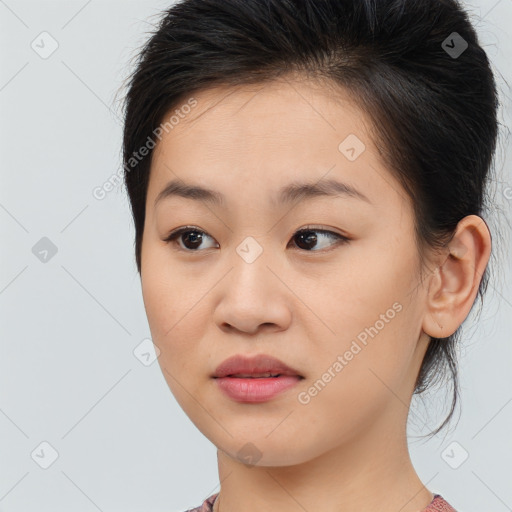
(296, 191)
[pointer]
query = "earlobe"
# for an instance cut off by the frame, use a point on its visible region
(454, 284)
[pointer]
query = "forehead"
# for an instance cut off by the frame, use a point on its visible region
(266, 136)
(279, 103)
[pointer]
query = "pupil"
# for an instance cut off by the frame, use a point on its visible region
(308, 237)
(196, 239)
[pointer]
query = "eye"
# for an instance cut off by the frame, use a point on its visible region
(193, 240)
(306, 237)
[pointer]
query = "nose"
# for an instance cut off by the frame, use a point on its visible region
(253, 297)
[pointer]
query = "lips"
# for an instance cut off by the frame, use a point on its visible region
(259, 366)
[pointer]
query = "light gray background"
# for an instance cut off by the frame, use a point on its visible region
(70, 325)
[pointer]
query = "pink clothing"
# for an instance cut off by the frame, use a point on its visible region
(438, 504)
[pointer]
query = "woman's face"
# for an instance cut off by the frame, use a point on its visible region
(347, 315)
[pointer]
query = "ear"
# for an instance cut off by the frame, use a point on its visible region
(454, 283)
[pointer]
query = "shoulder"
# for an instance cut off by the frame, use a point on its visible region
(439, 504)
(206, 506)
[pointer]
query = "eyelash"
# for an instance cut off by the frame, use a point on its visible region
(174, 235)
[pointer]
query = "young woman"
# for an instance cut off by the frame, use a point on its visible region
(307, 181)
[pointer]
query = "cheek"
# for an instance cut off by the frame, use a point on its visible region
(172, 334)
(162, 292)
(175, 313)
(373, 318)
(162, 286)
(363, 369)
(367, 286)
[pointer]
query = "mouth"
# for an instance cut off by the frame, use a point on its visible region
(261, 366)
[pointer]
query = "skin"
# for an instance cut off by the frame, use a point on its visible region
(346, 449)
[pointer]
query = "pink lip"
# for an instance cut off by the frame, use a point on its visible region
(261, 363)
(254, 390)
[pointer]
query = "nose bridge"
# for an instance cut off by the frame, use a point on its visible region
(251, 277)
(249, 297)
(250, 250)
(250, 261)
